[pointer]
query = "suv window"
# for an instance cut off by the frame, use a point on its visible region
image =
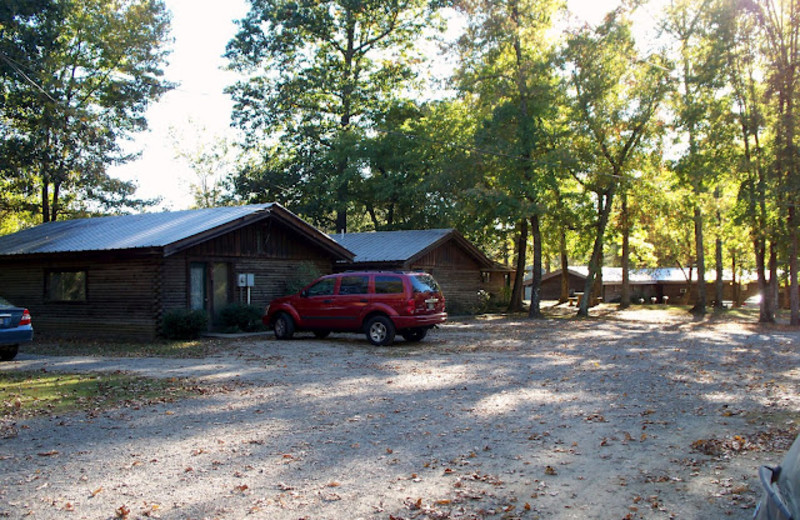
(424, 283)
(388, 285)
(322, 288)
(353, 285)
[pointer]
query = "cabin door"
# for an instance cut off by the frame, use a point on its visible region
(209, 287)
(220, 287)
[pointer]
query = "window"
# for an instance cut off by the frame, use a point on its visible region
(388, 285)
(424, 283)
(65, 286)
(353, 285)
(486, 276)
(322, 288)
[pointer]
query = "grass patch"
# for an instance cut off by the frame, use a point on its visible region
(197, 348)
(29, 394)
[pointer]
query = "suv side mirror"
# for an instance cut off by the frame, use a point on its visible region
(304, 294)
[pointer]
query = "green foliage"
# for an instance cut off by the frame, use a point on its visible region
(240, 317)
(304, 274)
(184, 324)
(76, 79)
(319, 74)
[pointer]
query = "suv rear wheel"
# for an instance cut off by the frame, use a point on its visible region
(415, 335)
(380, 331)
(284, 326)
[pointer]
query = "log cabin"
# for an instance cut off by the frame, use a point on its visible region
(116, 276)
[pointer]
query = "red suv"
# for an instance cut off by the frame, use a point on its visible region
(379, 303)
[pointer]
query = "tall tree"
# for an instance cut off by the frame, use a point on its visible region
(614, 93)
(318, 74)
(780, 22)
(697, 103)
(77, 77)
(507, 63)
(740, 31)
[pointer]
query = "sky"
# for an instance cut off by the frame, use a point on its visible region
(197, 109)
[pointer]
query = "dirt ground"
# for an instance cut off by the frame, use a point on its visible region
(645, 415)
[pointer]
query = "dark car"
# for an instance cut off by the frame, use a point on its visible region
(781, 499)
(379, 303)
(15, 328)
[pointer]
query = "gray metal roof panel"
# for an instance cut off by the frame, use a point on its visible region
(389, 246)
(121, 232)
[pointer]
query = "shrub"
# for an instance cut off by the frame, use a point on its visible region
(238, 316)
(184, 324)
(305, 273)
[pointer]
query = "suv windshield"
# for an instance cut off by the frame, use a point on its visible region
(424, 283)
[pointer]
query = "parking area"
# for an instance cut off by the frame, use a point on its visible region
(504, 418)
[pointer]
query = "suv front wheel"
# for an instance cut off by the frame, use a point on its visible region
(380, 331)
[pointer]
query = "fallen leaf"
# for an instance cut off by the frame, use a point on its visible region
(48, 453)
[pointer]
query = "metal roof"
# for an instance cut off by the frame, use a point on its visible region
(122, 232)
(643, 276)
(390, 246)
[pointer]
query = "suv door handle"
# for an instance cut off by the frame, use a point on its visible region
(327, 301)
(364, 300)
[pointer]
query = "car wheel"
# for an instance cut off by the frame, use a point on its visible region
(284, 326)
(322, 334)
(8, 352)
(380, 331)
(415, 335)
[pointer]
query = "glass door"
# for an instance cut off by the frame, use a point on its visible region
(197, 286)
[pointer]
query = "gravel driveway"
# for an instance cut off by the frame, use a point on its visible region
(618, 419)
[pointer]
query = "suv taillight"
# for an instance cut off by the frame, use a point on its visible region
(411, 306)
(26, 318)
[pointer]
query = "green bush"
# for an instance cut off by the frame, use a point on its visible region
(305, 273)
(184, 324)
(238, 316)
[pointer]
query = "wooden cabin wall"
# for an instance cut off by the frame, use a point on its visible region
(458, 275)
(272, 252)
(121, 299)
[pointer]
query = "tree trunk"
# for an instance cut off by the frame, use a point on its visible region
(45, 202)
(341, 221)
(564, 298)
(625, 300)
(596, 261)
(719, 284)
(774, 281)
(535, 310)
(794, 296)
(765, 313)
(700, 305)
(737, 286)
(517, 292)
